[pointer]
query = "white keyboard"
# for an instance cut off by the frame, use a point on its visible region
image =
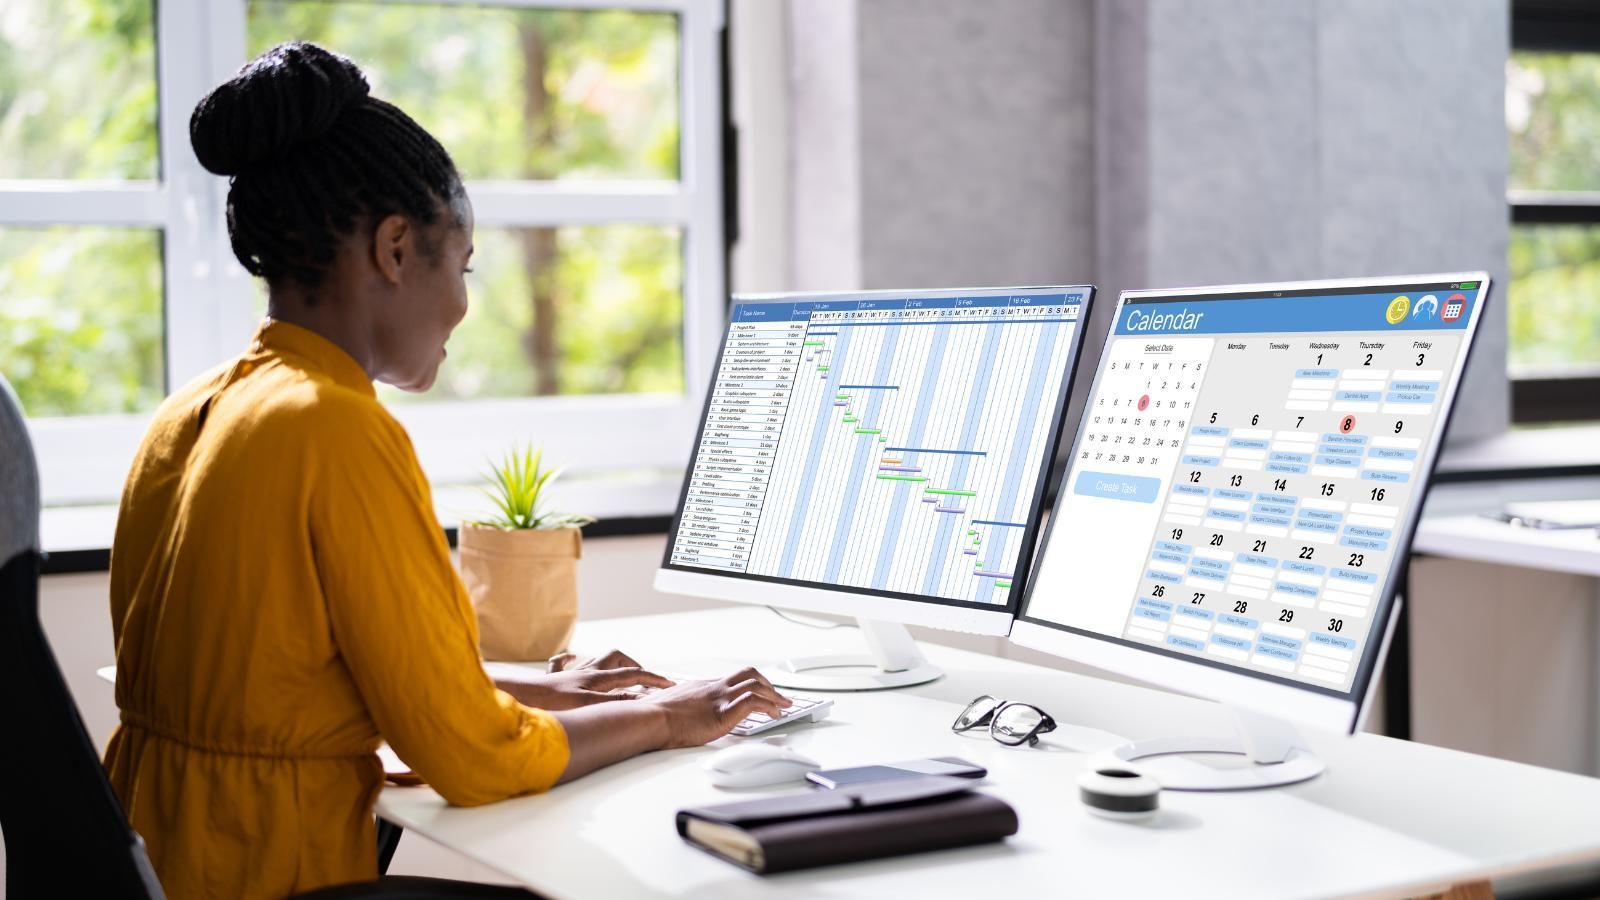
(804, 708)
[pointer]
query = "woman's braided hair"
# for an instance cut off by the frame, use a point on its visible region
(311, 156)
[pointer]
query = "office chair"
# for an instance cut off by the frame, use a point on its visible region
(65, 832)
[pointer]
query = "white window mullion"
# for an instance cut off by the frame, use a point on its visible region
(704, 279)
(49, 203)
(236, 317)
(552, 204)
(631, 5)
(199, 44)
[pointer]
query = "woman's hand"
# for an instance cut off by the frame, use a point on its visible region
(701, 711)
(685, 715)
(569, 686)
(612, 659)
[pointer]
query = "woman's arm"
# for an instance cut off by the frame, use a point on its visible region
(687, 714)
(570, 685)
(406, 634)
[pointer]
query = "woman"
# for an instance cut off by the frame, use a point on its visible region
(281, 594)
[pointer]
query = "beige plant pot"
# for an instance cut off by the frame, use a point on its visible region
(524, 586)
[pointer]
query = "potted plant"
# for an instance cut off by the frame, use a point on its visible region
(521, 566)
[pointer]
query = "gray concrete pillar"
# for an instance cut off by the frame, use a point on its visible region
(1247, 140)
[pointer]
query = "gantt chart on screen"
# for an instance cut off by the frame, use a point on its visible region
(892, 445)
(1244, 469)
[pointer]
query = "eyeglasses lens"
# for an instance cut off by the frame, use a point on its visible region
(975, 712)
(1015, 722)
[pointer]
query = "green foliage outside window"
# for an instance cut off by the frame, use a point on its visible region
(512, 93)
(77, 89)
(80, 325)
(621, 318)
(80, 308)
(1554, 298)
(1553, 116)
(535, 94)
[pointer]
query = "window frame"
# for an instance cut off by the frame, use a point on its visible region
(1555, 26)
(207, 296)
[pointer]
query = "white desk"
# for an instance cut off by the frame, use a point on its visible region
(1389, 818)
(1473, 628)
(1574, 551)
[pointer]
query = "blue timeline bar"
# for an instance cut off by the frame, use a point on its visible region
(1436, 310)
(926, 450)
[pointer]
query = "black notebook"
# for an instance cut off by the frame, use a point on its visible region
(870, 821)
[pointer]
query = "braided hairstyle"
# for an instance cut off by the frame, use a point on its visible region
(310, 157)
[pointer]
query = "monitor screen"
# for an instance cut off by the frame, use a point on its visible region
(886, 443)
(1247, 471)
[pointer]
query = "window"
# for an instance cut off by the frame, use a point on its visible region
(589, 136)
(1553, 119)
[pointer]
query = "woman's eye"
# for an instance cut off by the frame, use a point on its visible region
(467, 270)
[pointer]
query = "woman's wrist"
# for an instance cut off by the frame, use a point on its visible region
(603, 733)
(660, 725)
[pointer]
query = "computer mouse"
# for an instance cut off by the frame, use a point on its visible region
(758, 765)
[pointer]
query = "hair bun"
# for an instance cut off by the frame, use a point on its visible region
(283, 98)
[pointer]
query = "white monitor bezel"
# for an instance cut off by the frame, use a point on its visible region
(950, 615)
(1302, 703)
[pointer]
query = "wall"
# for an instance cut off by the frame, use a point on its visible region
(976, 142)
(1248, 141)
(940, 142)
(1146, 143)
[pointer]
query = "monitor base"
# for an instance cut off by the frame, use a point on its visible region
(894, 662)
(1275, 750)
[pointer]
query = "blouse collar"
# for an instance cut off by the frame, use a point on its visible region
(279, 338)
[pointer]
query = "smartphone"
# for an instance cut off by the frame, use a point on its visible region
(944, 765)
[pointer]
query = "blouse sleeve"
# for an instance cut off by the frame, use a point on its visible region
(405, 627)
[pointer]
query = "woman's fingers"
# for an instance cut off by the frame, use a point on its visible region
(749, 679)
(764, 691)
(651, 679)
(614, 659)
(561, 661)
(628, 677)
(749, 673)
(747, 703)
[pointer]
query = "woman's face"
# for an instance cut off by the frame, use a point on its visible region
(427, 304)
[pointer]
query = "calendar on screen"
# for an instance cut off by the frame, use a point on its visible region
(1245, 471)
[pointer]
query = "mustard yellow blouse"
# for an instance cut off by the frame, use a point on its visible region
(282, 598)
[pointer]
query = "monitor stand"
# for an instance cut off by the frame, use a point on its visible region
(893, 662)
(1277, 756)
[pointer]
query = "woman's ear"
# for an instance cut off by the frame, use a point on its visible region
(392, 246)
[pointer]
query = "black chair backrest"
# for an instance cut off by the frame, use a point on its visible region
(65, 832)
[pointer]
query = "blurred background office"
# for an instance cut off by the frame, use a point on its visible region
(627, 174)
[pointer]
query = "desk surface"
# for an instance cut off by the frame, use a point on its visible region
(1389, 818)
(1574, 551)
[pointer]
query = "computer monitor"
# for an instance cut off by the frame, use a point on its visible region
(878, 454)
(1241, 496)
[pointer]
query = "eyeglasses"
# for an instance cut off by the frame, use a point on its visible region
(1012, 724)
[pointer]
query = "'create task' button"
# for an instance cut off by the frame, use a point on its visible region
(1137, 488)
